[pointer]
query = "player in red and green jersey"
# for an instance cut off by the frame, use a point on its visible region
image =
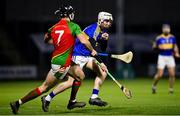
(62, 36)
(63, 47)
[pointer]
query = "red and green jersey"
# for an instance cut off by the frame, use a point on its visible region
(63, 35)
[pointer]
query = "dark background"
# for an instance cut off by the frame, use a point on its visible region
(142, 20)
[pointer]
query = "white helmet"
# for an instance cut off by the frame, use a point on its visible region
(104, 16)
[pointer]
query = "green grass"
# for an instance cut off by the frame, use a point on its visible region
(143, 102)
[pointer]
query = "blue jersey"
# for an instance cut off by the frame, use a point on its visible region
(93, 33)
(167, 43)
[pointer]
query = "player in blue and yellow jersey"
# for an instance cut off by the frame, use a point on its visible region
(98, 37)
(94, 34)
(167, 47)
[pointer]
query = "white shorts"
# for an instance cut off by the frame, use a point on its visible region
(164, 61)
(82, 60)
(56, 68)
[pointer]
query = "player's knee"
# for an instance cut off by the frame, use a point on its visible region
(69, 84)
(43, 88)
(104, 75)
(160, 74)
(80, 74)
(172, 75)
(47, 89)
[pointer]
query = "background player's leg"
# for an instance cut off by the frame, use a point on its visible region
(101, 75)
(157, 77)
(171, 71)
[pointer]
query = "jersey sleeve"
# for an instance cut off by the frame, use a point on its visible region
(77, 30)
(89, 31)
(174, 40)
(158, 40)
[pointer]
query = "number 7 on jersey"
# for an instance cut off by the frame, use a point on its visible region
(60, 32)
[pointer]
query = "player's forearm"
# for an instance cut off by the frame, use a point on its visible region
(88, 45)
(176, 49)
(154, 46)
(47, 39)
(85, 42)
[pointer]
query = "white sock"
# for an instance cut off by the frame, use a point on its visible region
(48, 98)
(94, 96)
(171, 89)
(20, 102)
(153, 87)
(73, 100)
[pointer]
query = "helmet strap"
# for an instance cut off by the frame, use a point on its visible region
(99, 22)
(71, 16)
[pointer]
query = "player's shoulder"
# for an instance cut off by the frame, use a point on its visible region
(72, 23)
(159, 36)
(91, 27)
(171, 35)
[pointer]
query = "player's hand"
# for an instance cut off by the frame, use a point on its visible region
(93, 53)
(177, 55)
(47, 39)
(105, 36)
(154, 46)
(62, 69)
(103, 67)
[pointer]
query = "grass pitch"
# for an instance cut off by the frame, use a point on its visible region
(143, 102)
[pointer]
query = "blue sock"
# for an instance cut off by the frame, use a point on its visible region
(52, 94)
(95, 93)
